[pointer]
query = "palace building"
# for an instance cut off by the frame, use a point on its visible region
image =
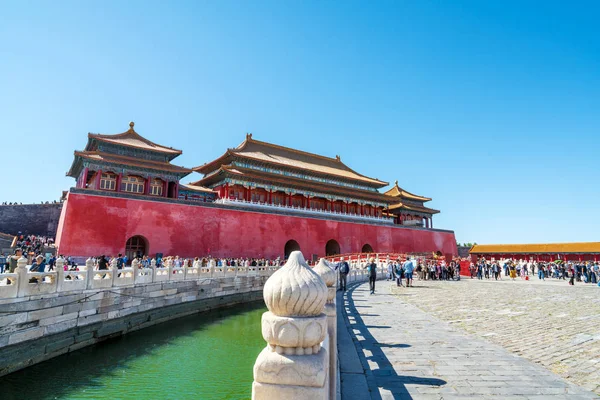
(258, 200)
(128, 163)
(586, 251)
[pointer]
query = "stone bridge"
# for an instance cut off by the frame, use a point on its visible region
(43, 315)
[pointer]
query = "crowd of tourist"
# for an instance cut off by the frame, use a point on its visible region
(403, 268)
(33, 244)
(33, 248)
(7, 203)
(580, 271)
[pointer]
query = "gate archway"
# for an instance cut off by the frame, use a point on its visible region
(332, 248)
(291, 245)
(136, 246)
(367, 248)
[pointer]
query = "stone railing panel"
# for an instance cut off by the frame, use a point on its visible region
(9, 285)
(124, 277)
(144, 275)
(40, 283)
(102, 279)
(75, 280)
(177, 274)
(161, 274)
(192, 273)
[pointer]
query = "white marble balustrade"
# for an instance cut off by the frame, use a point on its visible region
(23, 283)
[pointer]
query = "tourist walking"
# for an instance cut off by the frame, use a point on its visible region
(399, 274)
(541, 274)
(513, 271)
(344, 270)
(372, 269)
(2, 263)
(408, 272)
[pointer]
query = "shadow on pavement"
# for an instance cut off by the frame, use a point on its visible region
(383, 375)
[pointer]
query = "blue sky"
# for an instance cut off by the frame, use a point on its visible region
(488, 107)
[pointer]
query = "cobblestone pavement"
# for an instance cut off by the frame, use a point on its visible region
(407, 353)
(550, 323)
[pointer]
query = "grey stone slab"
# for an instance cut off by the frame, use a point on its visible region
(408, 353)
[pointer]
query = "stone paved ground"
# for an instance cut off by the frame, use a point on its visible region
(407, 353)
(550, 323)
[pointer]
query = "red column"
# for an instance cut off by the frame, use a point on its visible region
(271, 196)
(119, 179)
(227, 190)
(84, 178)
(166, 191)
(148, 181)
(250, 194)
(98, 176)
(176, 190)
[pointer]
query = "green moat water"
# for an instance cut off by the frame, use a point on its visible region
(204, 356)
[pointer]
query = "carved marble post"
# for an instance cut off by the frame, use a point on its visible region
(60, 273)
(329, 277)
(22, 279)
(113, 269)
(153, 266)
(135, 265)
(169, 265)
(294, 365)
(89, 274)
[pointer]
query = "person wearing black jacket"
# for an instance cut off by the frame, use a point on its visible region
(372, 268)
(102, 263)
(344, 269)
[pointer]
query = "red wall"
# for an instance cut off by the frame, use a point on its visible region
(94, 225)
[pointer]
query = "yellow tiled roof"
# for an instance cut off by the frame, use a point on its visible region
(546, 248)
(285, 156)
(196, 188)
(134, 162)
(133, 139)
(413, 208)
(397, 191)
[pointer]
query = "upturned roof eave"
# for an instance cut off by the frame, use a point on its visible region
(227, 171)
(177, 170)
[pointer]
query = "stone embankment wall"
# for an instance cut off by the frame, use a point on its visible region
(36, 219)
(36, 328)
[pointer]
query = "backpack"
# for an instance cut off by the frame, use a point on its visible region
(344, 269)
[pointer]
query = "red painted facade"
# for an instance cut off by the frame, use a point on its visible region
(91, 225)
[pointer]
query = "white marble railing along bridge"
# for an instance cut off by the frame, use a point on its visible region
(22, 282)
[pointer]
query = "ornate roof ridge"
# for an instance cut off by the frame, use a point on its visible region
(337, 158)
(413, 208)
(87, 153)
(199, 188)
(132, 133)
(397, 191)
(319, 185)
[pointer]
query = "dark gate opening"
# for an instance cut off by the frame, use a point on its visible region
(290, 246)
(332, 248)
(136, 246)
(367, 248)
